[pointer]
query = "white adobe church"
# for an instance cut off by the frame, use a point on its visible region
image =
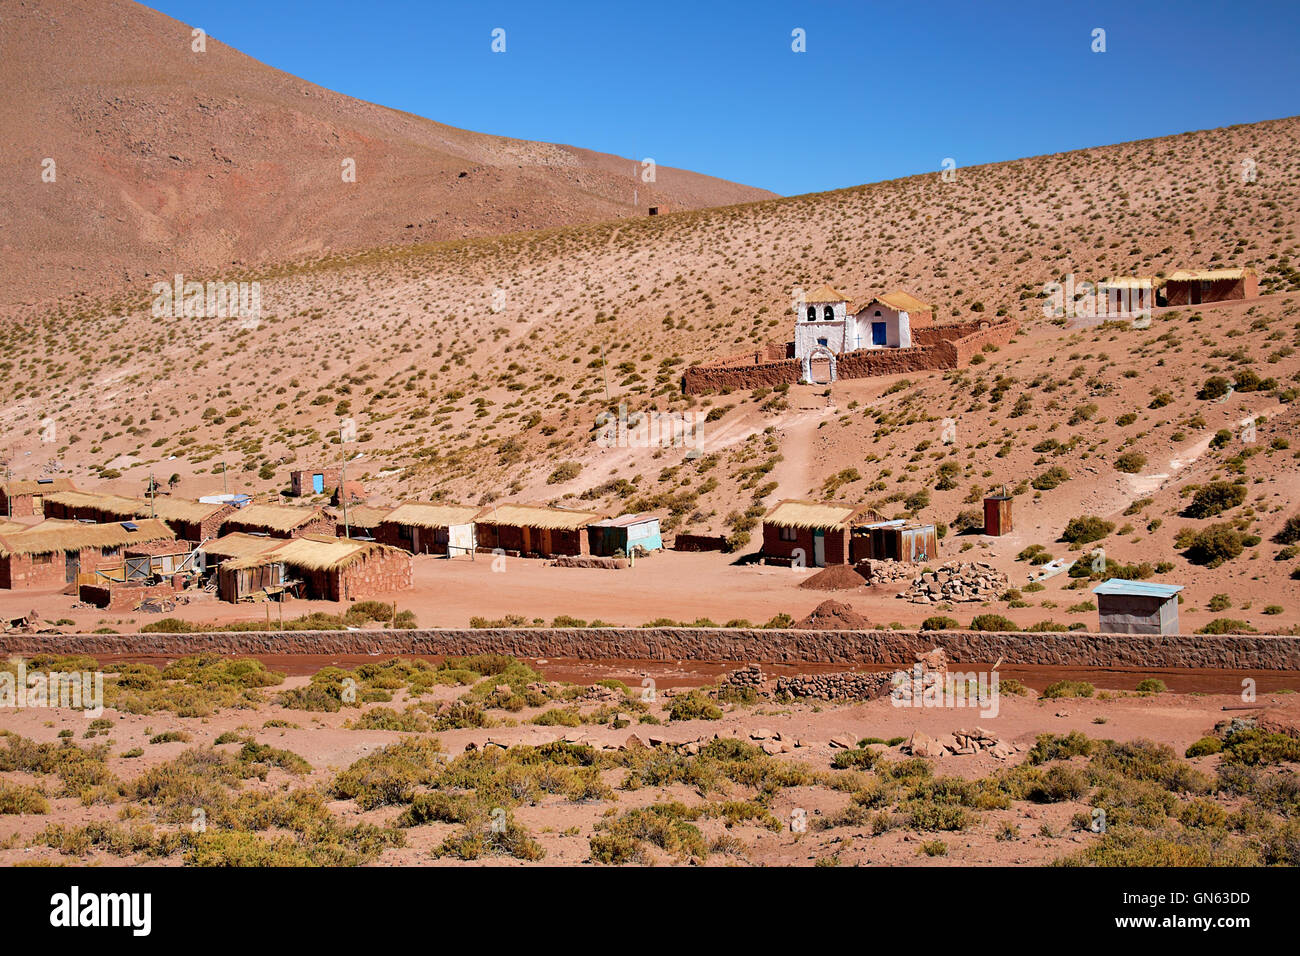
(826, 326)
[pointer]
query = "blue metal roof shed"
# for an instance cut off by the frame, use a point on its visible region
(1137, 607)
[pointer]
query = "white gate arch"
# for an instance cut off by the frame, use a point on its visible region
(817, 351)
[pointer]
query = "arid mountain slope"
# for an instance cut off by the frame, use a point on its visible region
(475, 370)
(169, 160)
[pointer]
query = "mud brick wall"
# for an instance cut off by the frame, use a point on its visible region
(700, 542)
(722, 378)
(22, 571)
(968, 345)
(19, 506)
(122, 598)
(865, 363)
(1075, 648)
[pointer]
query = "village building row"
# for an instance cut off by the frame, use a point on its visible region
(316, 568)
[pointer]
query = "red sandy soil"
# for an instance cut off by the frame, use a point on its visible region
(170, 161)
(837, 577)
(322, 740)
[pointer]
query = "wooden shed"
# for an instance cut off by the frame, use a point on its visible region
(816, 532)
(317, 568)
(898, 540)
(534, 530)
(1137, 607)
(428, 527)
(997, 515)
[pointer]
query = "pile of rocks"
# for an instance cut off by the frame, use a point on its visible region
(746, 677)
(957, 581)
(960, 743)
(843, 686)
(575, 561)
(885, 571)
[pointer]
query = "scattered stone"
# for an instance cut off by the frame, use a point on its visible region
(958, 582)
(843, 742)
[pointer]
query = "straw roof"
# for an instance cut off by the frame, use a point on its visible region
(824, 294)
(362, 516)
(1130, 282)
(625, 521)
(240, 545)
(425, 514)
(275, 517)
(51, 535)
(31, 486)
(793, 513)
(1209, 275)
(9, 527)
(901, 301)
(315, 553)
(537, 516)
(163, 506)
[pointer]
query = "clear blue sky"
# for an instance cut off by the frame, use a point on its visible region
(885, 89)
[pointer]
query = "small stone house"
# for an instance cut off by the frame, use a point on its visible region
(317, 568)
(814, 533)
(305, 482)
(25, 499)
(534, 530)
(1196, 286)
(278, 521)
(53, 553)
(427, 527)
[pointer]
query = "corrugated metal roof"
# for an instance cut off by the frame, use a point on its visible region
(1137, 588)
(624, 521)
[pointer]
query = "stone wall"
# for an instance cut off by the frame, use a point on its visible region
(1074, 648)
(122, 597)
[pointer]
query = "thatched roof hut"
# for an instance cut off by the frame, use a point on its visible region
(53, 535)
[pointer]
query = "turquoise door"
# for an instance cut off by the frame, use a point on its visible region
(317, 483)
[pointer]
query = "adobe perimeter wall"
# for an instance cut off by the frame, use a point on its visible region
(935, 347)
(1074, 648)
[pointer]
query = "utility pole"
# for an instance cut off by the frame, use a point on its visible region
(152, 511)
(604, 367)
(224, 489)
(343, 483)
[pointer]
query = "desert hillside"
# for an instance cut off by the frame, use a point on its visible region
(475, 370)
(170, 160)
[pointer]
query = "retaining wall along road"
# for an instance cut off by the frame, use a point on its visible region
(1074, 648)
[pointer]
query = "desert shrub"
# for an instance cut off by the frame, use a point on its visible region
(1204, 747)
(1086, 529)
(1151, 685)
(1069, 688)
(693, 706)
(1050, 478)
(19, 799)
(664, 825)
(1254, 747)
(992, 622)
(1226, 625)
(1131, 462)
(1290, 531)
(938, 622)
(1215, 498)
(390, 776)
(1216, 386)
(1211, 546)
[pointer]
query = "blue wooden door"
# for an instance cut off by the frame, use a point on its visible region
(877, 333)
